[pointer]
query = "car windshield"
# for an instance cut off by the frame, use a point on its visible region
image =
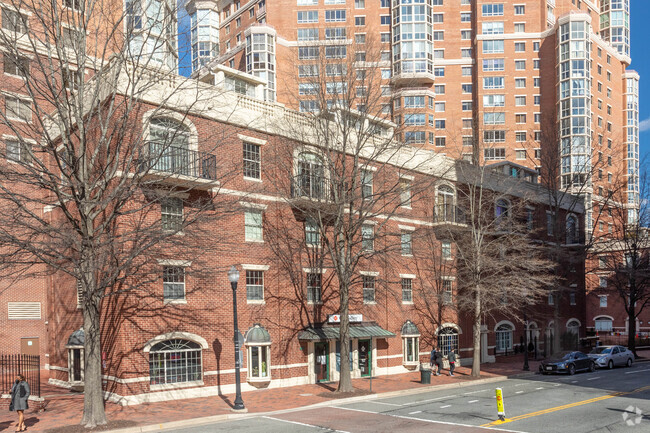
(561, 356)
(601, 350)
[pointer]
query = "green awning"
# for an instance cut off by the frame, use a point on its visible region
(366, 330)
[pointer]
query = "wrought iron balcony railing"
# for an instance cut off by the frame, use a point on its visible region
(448, 214)
(312, 187)
(159, 157)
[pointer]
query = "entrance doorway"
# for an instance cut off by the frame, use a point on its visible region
(365, 357)
(321, 362)
(29, 346)
(75, 367)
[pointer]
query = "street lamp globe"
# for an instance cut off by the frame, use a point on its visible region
(233, 274)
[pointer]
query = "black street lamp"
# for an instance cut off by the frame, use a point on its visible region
(233, 277)
(526, 367)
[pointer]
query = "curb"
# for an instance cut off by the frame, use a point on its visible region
(195, 422)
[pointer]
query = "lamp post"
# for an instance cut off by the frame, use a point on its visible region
(526, 367)
(233, 277)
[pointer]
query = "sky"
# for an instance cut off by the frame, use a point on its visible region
(639, 44)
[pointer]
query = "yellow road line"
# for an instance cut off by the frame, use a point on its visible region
(566, 406)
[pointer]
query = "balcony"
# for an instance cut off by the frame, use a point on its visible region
(178, 166)
(311, 192)
(448, 216)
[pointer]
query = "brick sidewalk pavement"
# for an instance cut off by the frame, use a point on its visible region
(64, 409)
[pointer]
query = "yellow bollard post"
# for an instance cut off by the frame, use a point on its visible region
(500, 409)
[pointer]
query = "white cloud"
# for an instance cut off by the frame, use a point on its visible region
(644, 125)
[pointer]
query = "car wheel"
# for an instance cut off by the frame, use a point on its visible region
(610, 364)
(629, 362)
(592, 367)
(572, 369)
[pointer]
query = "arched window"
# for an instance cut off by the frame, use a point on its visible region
(175, 361)
(169, 146)
(445, 204)
(603, 324)
(447, 340)
(258, 349)
(504, 337)
(410, 344)
(502, 209)
(310, 179)
(573, 326)
(571, 229)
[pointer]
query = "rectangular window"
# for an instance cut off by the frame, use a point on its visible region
(494, 100)
(18, 109)
(253, 225)
(14, 21)
(446, 250)
(465, 17)
(520, 47)
(520, 9)
(465, 35)
(520, 65)
(440, 107)
(359, 21)
(520, 101)
(494, 153)
(405, 192)
(520, 154)
(493, 47)
(19, 152)
(312, 232)
(520, 136)
(171, 214)
(494, 118)
(254, 285)
(466, 105)
(520, 118)
(492, 28)
(307, 17)
(368, 237)
(384, 20)
(407, 289)
(313, 288)
(407, 243)
(447, 291)
(520, 83)
(603, 301)
(466, 88)
(173, 282)
(492, 9)
(368, 289)
(335, 15)
(359, 4)
(494, 136)
(18, 66)
(520, 27)
(490, 65)
(493, 82)
(366, 184)
(71, 37)
(441, 141)
(307, 34)
(307, 53)
(252, 161)
(440, 124)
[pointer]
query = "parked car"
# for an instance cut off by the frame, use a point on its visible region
(611, 356)
(567, 362)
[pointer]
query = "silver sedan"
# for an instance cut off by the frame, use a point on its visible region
(611, 356)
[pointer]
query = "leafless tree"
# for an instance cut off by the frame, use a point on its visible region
(500, 266)
(620, 255)
(84, 182)
(345, 181)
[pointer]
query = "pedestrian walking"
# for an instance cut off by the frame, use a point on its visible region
(439, 362)
(452, 361)
(19, 396)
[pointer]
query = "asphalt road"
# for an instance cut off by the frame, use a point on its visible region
(604, 401)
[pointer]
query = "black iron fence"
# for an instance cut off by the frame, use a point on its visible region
(178, 161)
(311, 187)
(446, 213)
(27, 365)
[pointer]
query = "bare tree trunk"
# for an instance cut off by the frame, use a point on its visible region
(345, 379)
(631, 330)
(476, 359)
(94, 414)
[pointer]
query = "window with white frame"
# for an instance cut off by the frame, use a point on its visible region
(407, 243)
(175, 361)
(312, 232)
(504, 337)
(171, 214)
(173, 283)
(407, 289)
(253, 225)
(603, 301)
(366, 184)
(448, 340)
(254, 285)
(367, 237)
(258, 349)
(14, 21)
(405, 192)
(447, 291)
(13, 65)
(18, 151)
(603, 324)
(446, 250)
(252, 161)
(368, 289)
(410, 343)
(18, 108)
(314, 280)
(602, 282)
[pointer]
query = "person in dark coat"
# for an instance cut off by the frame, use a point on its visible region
(439, 357)
(452, 361)
(19, 396)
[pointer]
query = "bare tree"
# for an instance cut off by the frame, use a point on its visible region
(620, 255)
(345, 181)
(500, 266)
(91, 166)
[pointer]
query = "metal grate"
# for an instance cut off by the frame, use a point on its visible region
(28, 365)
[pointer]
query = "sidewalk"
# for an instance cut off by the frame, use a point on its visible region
(64, 409)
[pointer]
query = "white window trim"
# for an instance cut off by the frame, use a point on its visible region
(411, 276)
(171, 262)
(249, 267)
(256, 206)
(253, 140)
(369, 273)
(314, 271)
(406, 228)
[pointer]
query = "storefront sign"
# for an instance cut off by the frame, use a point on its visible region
(336, 318)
